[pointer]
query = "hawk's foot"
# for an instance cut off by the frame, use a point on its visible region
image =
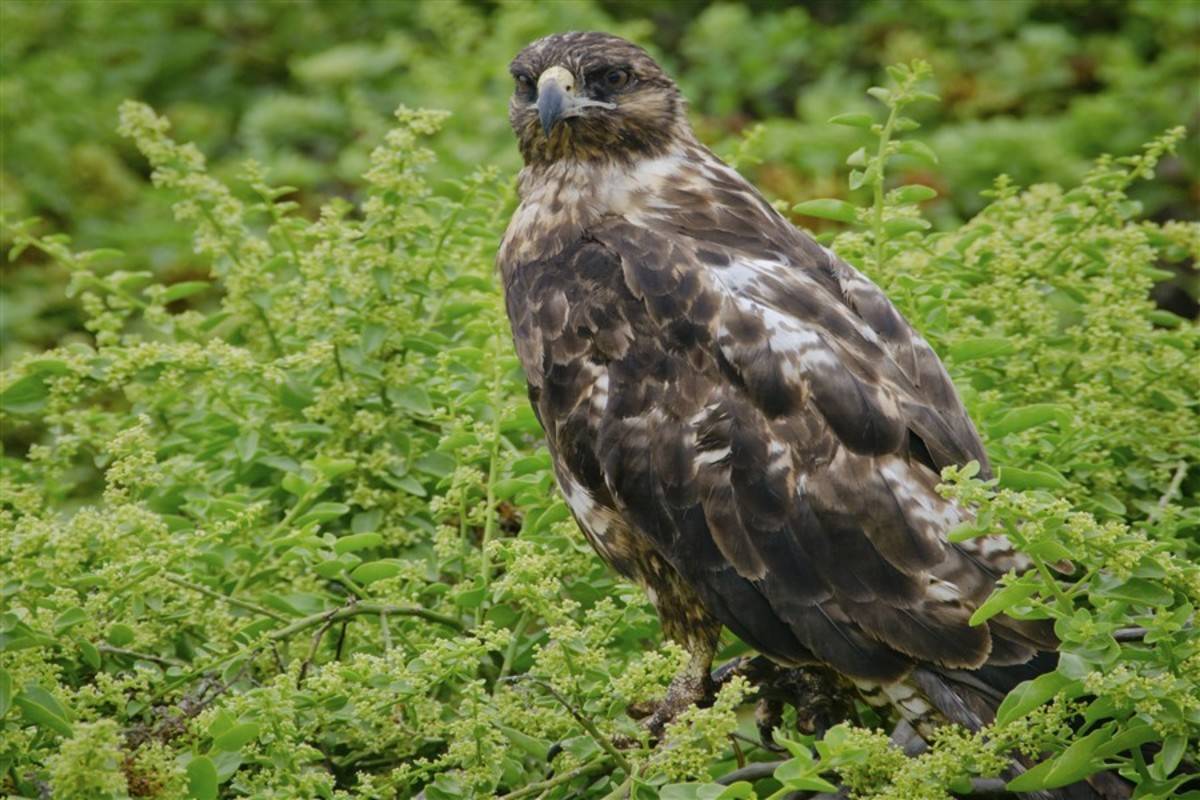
(688, 688)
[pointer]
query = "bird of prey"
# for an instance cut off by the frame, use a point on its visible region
(741, 422)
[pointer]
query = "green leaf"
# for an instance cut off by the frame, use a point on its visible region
(357, 541)
(6, 692)
(1026, 417)
(1172, 753)
(901, 226)
(1001, 600)
(1031, 779)
(409, 484)
(802, 774)
(90, 654)
(853, 120)
(202, 778)
(828, 208)
(983, 347)
(1138, 590)
(27, 395)
(1136, 736)
(178, 291)
(237, 737)
(1016, 478)
(69, 619)
(43, 710)
(1029, 695)
(119, 634)
(332, 467)
(1077, 761)
(538, 748)
(413, 399)
(293, 483)
(375, 571)
(913, 193)
(366, 521)
(918, 150)
(322, 512)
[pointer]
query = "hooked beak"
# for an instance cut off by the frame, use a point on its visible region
(556, 97)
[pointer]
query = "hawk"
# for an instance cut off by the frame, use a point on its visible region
(741, 422)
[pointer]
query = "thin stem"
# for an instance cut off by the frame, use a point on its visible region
(489, 525)
(885, 138)
(1181, 472)
(121, 651)
(558, 780)
(510, 652)
(586, 723)
(231, 600)
(346, 612)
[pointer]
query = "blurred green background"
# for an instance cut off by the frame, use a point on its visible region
(1032, 88)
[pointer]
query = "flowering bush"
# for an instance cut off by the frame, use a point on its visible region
(289, 531)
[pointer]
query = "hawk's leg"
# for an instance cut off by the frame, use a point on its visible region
(685, 621)
(693, 685)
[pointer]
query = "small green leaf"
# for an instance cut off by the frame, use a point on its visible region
(1076, 762)
(1015, 478)
(48, 714)
(322, 512)
(918, 150)
(25, 396)
(237, 737)
(375, 571)
(357, 541)
(409, 484)
(1029, 695)
(202, 778)
(1140, 591)
(1171, 755)
(332, 467)
(90, 654)
(538, 748)
(1026, 417)
(853, 120)
(1002, 599)
(69, 619)
(858, 158)
(366, 521)
(119, 634)
(293, 483)
(6, 692)
(828, 208)
(983, 347)
(1127, 739)
(413, 399)
(913, 193)
(901, 226)
(178, 291)
(1031, 779)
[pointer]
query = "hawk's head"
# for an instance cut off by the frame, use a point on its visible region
(592, 96)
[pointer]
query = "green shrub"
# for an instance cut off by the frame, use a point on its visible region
(289, 531)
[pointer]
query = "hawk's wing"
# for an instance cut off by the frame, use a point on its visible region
(765, 417)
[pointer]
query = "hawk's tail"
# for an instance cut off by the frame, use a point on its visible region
(970, 698)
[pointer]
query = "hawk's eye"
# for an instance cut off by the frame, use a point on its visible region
(616, 78)
(524, 84)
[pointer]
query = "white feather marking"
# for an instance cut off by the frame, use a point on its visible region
(711, 456)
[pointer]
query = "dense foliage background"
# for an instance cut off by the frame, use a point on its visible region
(276, 521)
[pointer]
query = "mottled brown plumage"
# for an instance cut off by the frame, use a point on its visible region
(740, 421)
